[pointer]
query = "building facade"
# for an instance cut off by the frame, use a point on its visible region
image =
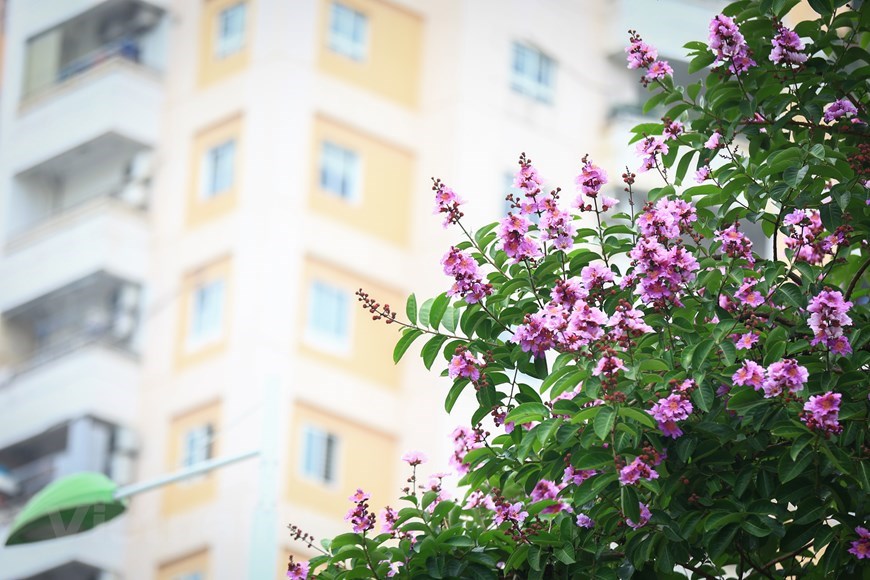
(193, 190)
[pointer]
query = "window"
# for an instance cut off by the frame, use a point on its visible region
(206, 322)
(340, 171)
(533, 73)
(329, 316)
(197, 445)
(319, 455)
(230, 30)
(218, 170)
(347, 31)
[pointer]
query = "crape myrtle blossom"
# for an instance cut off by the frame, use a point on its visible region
(640, 54)
(546, 489)
(479, 499)
(648, 148)
(657, 70)
(636, 470)
(414, 458)
(594, 276)
(827, 321)
(860, 548)
(297, 570)
(645, 516)
(675, 407)
(584, 521)
(750, 373)
(468, 282)
(668, 218)
(394, 569)
(673, 129)
(389, 517)
(464, 440)
(359, 515)
(787, 47)
(512, 513)
(805, 229)
(735, 244)
(576, 476)
(528, 180)
(839, 109)
(747, 294)
(627, 322)
(703, 174)
(744, 341)
(663, 273)
(515, 242)
(822, 413)
(608, 366)
(714, 142)
(465, 365)
(435, 485)
(556, 225)
(729, 45)
(590, 180)
(447, 202)
(784, 375)
(560, 325)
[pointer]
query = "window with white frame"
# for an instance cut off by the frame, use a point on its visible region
(207, 312)
(319, 455)
(329, 311)
(218, 169)
(348, 31)
(231, 30)
(340, 171)
(533, 73)
(197, 445)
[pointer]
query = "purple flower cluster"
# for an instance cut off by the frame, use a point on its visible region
(590, 180)
(664, 272)
(447, 202)
(528, 180)
(747, 294)
(390, 518)
(827, 319)
(714, 142)
(608, 366)
(787, 47)
(469, 283)
(729, 45)
(584, 521)
(745, 341)
(297, 570)
(556, 225)
(668, 218)
(703, 174)
(838, 109)
(860, 548)
(464, 440)
(479, 499)
(573, 476)
(667, 411)
(673, 129)
(636, 470)
(546, 489)
(643, 55)
(648, 148)
(414, 458)
(512, 513)
(822, 413)
(805, 239)
(359, 514)
(465, 365)
(561, 324)
(735, 244)
(515, 241)
(627, 322)
(645, 515)
(785, 375)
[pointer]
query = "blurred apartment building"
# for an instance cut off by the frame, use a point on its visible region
(192, 190)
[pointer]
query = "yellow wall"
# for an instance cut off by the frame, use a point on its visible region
(198, 562)
(199, 209)
(392, 64)
(387, 183)
(185, 495)
(371, 343)
(185, 355)
(367, 459)
(211, 67)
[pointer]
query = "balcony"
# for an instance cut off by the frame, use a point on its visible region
(100, 234)
(95, 74)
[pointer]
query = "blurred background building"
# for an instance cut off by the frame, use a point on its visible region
(191, 192)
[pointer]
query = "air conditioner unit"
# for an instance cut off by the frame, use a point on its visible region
(126, 441)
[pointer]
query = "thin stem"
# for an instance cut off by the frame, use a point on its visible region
(532, 283)
(699, 572)
(779, 559)
(369, 558)
(857, 277)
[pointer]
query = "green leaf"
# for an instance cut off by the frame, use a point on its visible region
(450, 318)
(639, 416)
(704, 396)
(630, 504)
(527, 412)
(431, 349)
(591, 459)
(439, 307)
(453, 394)
(789, 469)
(603, 422)
(701, 61)
(411, 308)
(408, 337)
(699, 356)
(424, 311)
